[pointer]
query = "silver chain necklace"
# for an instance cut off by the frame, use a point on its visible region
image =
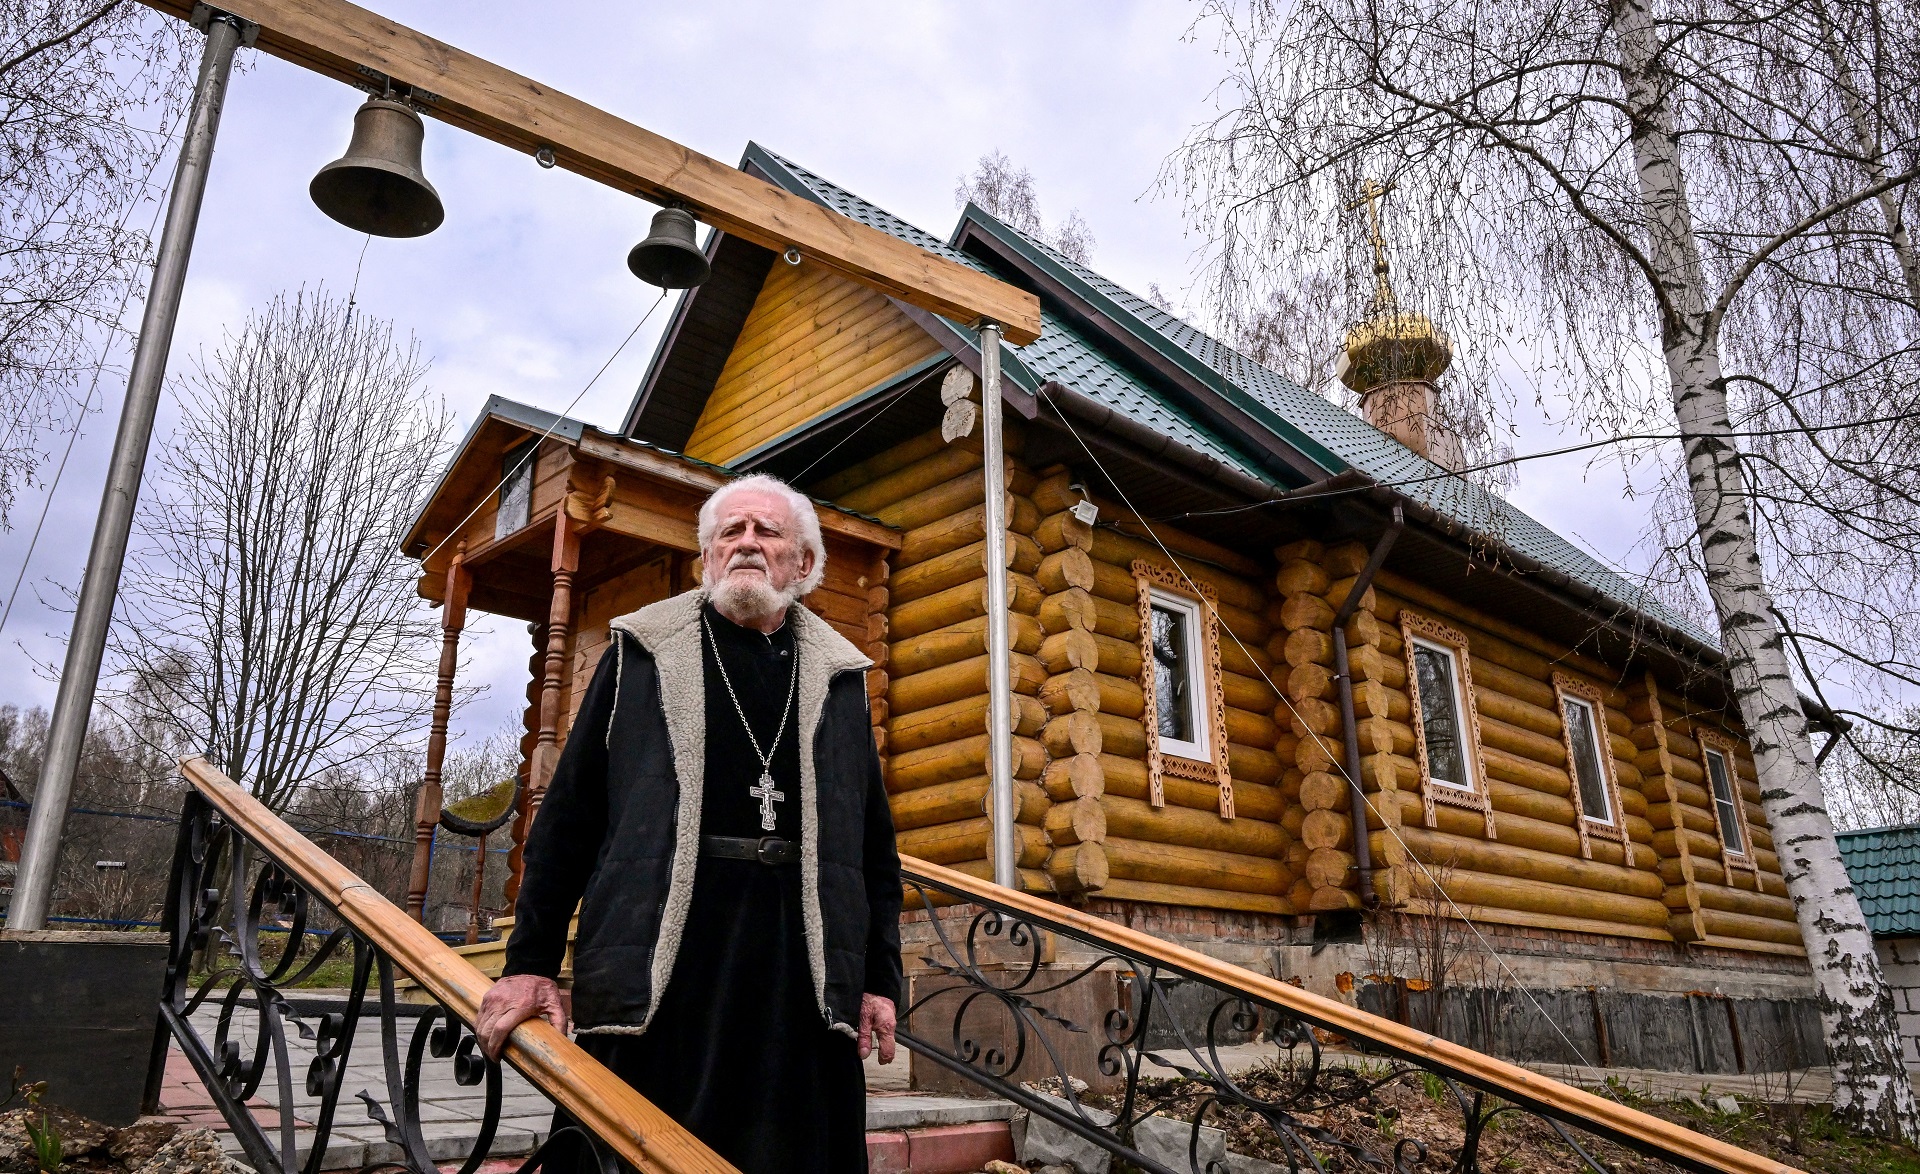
(763, 790)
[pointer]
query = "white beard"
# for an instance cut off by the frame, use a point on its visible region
(748, 600)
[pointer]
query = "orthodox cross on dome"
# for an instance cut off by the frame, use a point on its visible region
(1373, 195)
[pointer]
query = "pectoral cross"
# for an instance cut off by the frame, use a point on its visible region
(768, 797)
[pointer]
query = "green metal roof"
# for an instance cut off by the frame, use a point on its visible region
(1322, 431)
(1061, 353)
(1884, 864)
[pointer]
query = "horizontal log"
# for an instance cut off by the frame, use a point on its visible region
(1326, 829)
(1065, 610)
(1252, 694)
(1510, 644)
(1030, 880)
(1330, 868)
(1078, 868)
(963, 799)
(1301, 577)
(1189, 895)
(1539, 896)
(960, 566)
(1081, 821)
(931, 470)
(1667, 843)
(966, 678)
(1198, 867)
(941, 536)
(1500, 735)
(1253, 765)
(1442, 850)
(969, 839)
(1306, 611)
(1135, 819)
(1744, 901)
(1756, 929)
(1092, 776)
(959, 719)
(963, 602)
(1525, 772)
(1251, 729)
(1112, 546)
(957, 760)
(1065, 570)
(1062, 532)
(886, 461)
(959, 641)
(1524, 715)
(1083, 732)
(1073, 649)
(1054, 492)
(1084, 689)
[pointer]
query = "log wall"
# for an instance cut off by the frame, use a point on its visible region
(813, 340)
(931, 710)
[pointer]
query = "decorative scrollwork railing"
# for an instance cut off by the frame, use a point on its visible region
(989, 1014)
(239, 872)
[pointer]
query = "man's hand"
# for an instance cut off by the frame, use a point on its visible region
(876, 1020)
(520, 997)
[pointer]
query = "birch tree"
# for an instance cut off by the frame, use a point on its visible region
(89, 90)
(1690, 213)
(267, 613)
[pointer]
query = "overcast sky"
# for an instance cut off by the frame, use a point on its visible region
(524, 291)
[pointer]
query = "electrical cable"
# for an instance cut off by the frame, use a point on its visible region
(1355, 786)
(534, 451)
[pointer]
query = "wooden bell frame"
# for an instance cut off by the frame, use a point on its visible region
(1472, 798)
(1147, 578)
(1589, 827)
(1719, 742)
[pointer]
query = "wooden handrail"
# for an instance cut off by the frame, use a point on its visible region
(607, 1106)
(1609, 1118)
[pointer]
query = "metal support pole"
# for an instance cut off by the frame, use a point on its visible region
(40, 856)
(1343, 675)
(999, 651)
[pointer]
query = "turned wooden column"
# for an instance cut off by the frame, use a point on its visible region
(426, 805)
(553, 693)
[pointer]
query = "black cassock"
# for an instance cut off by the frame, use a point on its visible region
(739, 1052)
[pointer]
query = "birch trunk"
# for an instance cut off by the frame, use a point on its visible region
(1871, 1087)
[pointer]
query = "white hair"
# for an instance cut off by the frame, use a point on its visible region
(805, 520)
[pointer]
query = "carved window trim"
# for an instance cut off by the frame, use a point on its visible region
(1149, 577)
(1720, 743)
(1567, 689)
(1413, 628)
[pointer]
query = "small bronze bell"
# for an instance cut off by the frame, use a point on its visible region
(669, 258)
(377, 186)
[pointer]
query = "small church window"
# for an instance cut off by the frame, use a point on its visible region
(1598, 813)
(1440, 715)
(1186, 716)
(1446, 729)
(516, 489)
(1583, 736)
(1726, 805)
(1178, 681)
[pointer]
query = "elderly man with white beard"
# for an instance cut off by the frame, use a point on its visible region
(718, 816)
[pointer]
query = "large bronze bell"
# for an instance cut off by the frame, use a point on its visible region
(377, 186)
(669, 258)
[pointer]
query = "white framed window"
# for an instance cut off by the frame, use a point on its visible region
(1185, 712)
(1726, 801)
(1443, 709)
(1446, 729)
(1587, 767)
(1180, 713)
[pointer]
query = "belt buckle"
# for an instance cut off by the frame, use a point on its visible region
(768, 850)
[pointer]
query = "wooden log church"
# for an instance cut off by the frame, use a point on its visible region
(1196, 546)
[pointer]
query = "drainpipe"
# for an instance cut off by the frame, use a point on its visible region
(1362, 850)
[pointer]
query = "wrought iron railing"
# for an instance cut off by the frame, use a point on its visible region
(236, 868)
(988, 1011)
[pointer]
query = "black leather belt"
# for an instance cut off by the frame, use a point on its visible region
(766, 849)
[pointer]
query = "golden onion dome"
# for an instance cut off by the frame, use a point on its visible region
(1394, 345)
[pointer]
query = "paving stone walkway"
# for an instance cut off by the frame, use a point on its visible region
(450, 1113)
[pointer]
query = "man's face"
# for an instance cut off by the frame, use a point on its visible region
(754, 544)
